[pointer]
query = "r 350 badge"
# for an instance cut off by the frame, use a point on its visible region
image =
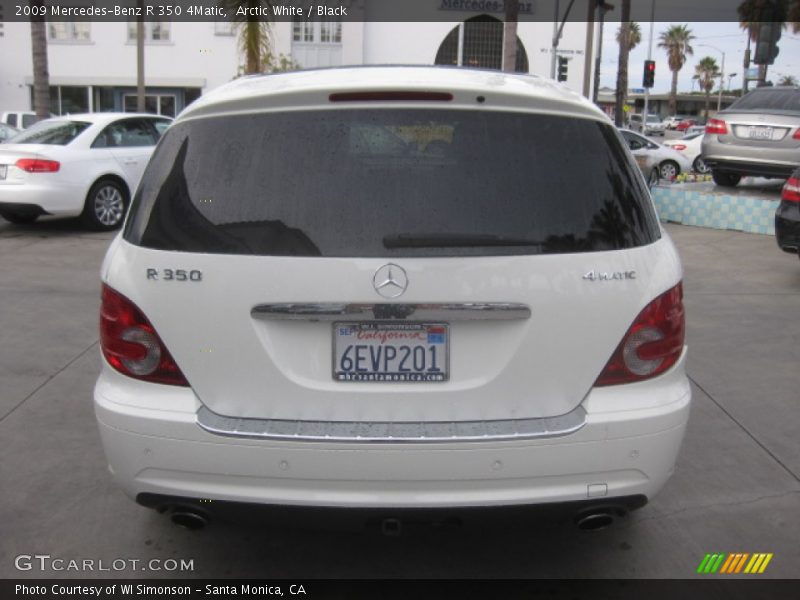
(174, 275)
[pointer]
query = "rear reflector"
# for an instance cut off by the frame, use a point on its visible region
(653, 343)
(38, 165)
(791, 190)
(131, 345)
(400, 96)
(717, 127)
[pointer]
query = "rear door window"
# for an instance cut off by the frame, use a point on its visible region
(389, 182)
(126, 134)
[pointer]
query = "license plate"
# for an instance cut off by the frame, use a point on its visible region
(3, 170)
(391, 352)
(760, 133)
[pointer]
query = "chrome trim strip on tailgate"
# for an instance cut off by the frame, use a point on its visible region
(333, 311)
(392, 432)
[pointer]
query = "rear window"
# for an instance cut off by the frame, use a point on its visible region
(389, 182)
(769, 100)
(56, 133)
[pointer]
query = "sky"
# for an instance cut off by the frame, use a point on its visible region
(725, 37)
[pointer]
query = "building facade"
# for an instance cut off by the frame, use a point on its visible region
(92, 66)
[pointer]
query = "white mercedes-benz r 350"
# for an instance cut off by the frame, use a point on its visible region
(409, 287)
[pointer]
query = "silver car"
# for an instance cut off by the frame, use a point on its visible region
(758, 135)
(670, 163)
(652, 126)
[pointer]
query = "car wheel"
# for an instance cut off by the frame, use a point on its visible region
(18, 218)
(105, 205)
(700, 166)
(725, 179)
(669, 169)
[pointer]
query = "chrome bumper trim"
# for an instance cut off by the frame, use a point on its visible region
(392, 432)
(332, 311)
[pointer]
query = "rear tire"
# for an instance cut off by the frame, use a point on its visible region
(18, 218)
(669, 169)
(105, 205)
(700, 166)
(725, 179)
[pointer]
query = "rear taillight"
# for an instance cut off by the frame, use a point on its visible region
(131, 345)
(796, 135)
(717, 127)
(38, 165)
(791, 190)
(653, 343)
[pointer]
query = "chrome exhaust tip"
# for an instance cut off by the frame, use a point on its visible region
(189, 519)
(595, 520)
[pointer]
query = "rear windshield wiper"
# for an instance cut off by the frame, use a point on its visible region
(453, 240)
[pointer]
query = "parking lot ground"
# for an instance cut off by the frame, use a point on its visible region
(736, 487)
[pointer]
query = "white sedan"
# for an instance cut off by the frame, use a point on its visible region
(671, 163)
(690, 147)
(85, 165)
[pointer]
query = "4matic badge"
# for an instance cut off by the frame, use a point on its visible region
(609, 275)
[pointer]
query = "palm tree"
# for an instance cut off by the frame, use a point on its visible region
(706, 71)
(622, 64)
(254, 34)
(634, 35)
(676, 41)
(788, 80)
(41, 76)
(751, 12)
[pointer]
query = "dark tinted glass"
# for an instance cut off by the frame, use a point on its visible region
(353, 182)
(767, 99)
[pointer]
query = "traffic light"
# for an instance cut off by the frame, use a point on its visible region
(769, 33)
(649, 73)
(563, 65)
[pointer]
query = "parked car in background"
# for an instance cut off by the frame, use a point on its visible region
(651, 126)
(85, 164)
(671, 163)
(787, 217)
(690, 147)
(392, 324)
(21, 119)
(672, 121)
(758, 135)
(7, 132)
(693, 130)
(687, 123)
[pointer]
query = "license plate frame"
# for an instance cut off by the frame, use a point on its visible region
(374, 339)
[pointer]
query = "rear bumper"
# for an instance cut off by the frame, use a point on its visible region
(627, 447)
(750, 168)
(55, 199)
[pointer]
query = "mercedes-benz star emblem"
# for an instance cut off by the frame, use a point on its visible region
(390, 281)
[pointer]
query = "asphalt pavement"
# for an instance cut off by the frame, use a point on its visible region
(736, 487)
